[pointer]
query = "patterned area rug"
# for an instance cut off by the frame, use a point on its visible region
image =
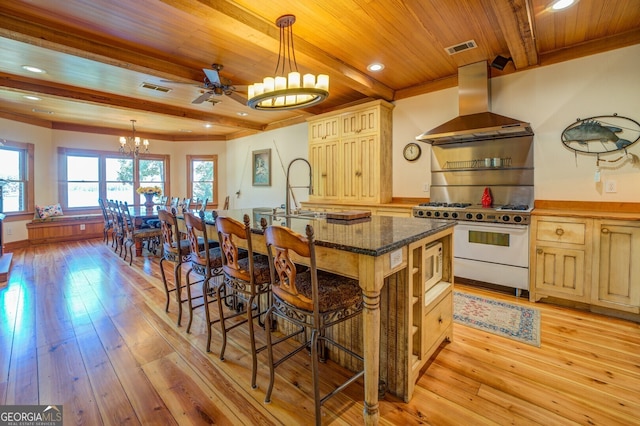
(497, 317)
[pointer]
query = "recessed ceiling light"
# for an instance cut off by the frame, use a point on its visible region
(33, 69)
(375, 67)
(31, 97)
(208, 125)
(185, 130)
(242, 113)
(562, 4)
(42, 111)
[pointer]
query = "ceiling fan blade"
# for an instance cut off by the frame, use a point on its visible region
(200, 99)
(238, 98)
(212, 76)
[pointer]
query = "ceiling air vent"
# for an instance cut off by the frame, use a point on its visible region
(155, 87)
(452, 50)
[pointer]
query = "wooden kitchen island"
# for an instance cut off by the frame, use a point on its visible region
(402, 324)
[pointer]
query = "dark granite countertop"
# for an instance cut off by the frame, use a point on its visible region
(374, 237)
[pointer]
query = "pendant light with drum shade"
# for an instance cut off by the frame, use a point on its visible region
(290, 91)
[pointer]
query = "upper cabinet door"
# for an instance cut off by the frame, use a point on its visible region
(360, 122)
(324, 129)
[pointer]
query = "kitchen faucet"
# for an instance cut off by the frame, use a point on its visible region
(287, 203)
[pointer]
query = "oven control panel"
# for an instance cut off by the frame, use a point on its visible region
(473, 214)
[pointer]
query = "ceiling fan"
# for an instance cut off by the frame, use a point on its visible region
(213, 86)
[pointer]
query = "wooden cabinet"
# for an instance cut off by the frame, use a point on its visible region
(587, 259)
(430, 310)
(324, 129)
(324, 172)
(361, 166)
(560, 253)
(359, 169)
(360, 122)
(616, 265)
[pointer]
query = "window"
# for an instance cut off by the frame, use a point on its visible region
(16, 178)
(202, 178)
(88, 175)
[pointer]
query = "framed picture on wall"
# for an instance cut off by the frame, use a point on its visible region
(262, 167)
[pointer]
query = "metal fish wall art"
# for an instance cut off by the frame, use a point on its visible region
(601, 134)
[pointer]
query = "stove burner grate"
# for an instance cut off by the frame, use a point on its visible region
(443, 204)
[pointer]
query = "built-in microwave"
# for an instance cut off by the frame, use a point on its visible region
(432, 265)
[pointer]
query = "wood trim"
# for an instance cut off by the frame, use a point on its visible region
(413, 201)
(16, 245)
(593, 206)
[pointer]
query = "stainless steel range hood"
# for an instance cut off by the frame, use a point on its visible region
(475, 122)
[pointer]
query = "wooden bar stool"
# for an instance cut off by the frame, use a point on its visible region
(312, 300)
(176, 251)
(206, 262)
(247, 280)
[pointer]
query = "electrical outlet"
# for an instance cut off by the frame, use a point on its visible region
(82, 227)
(610, 186)
(425, 187)
(9, 230)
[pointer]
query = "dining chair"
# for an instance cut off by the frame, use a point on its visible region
(206, 263)
(199, 204)
(247, 281)
(186, 204)
(312, 300)
(133, 235)
(176, 251)
(108, 222)
(117, 232)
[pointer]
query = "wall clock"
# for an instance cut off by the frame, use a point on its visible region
(412, 151)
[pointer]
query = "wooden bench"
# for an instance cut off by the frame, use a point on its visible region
(65, 228)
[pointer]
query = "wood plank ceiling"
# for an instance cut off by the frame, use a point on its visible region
(99, 53)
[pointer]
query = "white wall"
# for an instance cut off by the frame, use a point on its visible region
(286, 144)
(550, 98)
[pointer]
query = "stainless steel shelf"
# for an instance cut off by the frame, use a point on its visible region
(505, 162)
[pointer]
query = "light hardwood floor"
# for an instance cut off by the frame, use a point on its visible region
(80, 327)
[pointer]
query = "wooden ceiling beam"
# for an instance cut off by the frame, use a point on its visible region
(84, 45)
(517, 28)
(102, 98)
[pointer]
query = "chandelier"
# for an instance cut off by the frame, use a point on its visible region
(130, 145)
(280, 92)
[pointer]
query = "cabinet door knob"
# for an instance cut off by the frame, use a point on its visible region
(605, 230)
(539, 251)
(559, 231)
(440, 319)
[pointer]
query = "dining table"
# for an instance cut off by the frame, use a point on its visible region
(370, 250)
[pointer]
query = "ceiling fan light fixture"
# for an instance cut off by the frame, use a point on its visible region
(282, 92)
(130, 145)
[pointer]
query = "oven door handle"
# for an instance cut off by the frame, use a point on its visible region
(491, 226)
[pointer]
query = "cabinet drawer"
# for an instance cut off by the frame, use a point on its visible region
(561, 232)
(436, 322)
